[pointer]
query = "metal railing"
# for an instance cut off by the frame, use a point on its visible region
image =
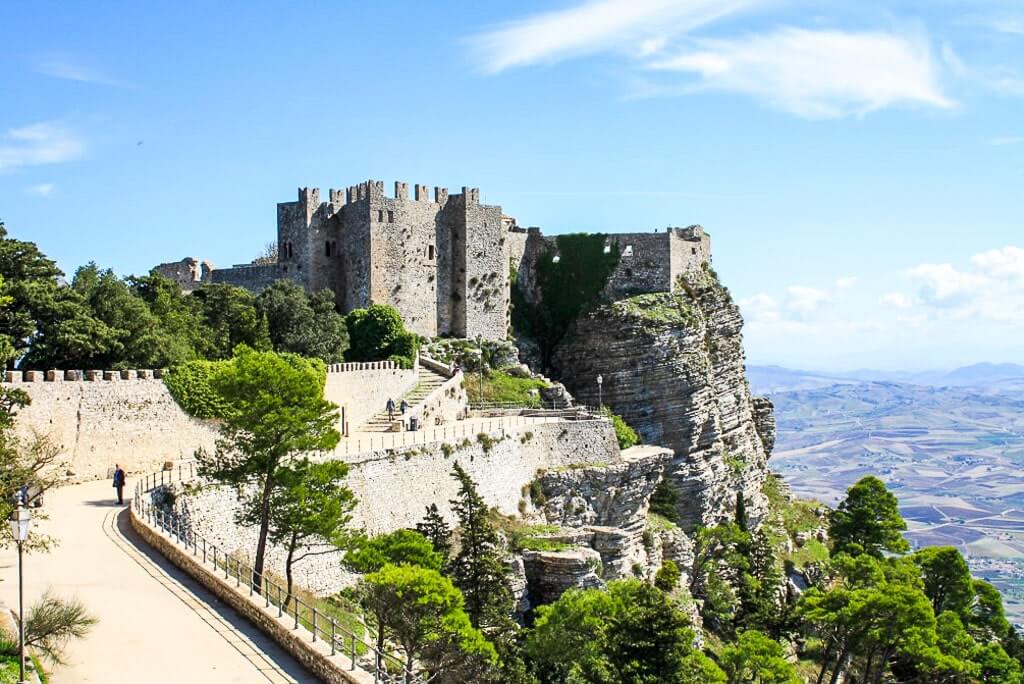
(384, 667)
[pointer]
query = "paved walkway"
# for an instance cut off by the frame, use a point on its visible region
(156, 624)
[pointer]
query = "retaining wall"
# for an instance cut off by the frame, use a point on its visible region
(364, 392)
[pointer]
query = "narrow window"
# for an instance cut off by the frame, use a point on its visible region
(430, 252)
(693, 250)
(391, 216)
(327, 248)
(380, 216)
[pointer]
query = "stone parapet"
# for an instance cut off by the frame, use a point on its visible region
(56, 375)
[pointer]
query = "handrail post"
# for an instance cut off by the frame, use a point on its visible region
(204, 549)
(333, 628)
(238, 573)
(296, 602)
(314, 623)
(353, 652)
(280, 603)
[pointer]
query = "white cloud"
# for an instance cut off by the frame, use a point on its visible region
(953, 61)
(817, 74)
(41, 190)
(1010, 25)
(632, 26)
(897, 300)
(70, 69)
(37, 145)
(1007, 262)
(1006, 140)
(846, 282)
(804, 300)
(760, 307)
(943, 285)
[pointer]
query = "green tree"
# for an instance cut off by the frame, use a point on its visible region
(30, 463)
(755, 658)
(664, 501)
(230, 318)
(309, 507)
(477, 568)
(308, 325)
(947, 579)
(377, 334)
(668, 576)
(629, 634)
(868, 521)
(401, 547)
(275, 413)
(986, 619)
(647, 637)
(422, 611)
(434, 528)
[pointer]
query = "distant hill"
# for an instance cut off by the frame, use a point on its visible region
(988, 376)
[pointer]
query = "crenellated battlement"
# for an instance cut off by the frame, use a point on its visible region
(363, 366)
(15, 377)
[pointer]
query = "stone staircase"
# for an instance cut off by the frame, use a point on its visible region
(429, 381)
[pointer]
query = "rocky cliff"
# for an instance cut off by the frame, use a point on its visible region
(672, 365)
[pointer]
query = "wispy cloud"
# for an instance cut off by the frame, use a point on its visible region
(846, 282)
(637, 27)
(37, 145)
(1006, 140)
(817, 74)
(71, 68)
(41, 189)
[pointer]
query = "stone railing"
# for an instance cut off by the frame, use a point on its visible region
(362, 366)
(17, 376)
(326, 648)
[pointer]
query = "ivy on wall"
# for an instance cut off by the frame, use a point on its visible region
(570, 278)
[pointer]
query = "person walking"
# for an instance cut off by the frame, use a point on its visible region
(391, 409)
(119, 484)
(404, 406)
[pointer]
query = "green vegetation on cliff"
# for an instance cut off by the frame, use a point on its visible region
(377, 333)
(568, 286)
(500, 387)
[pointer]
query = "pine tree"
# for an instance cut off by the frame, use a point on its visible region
(477, 568)
(434, 528)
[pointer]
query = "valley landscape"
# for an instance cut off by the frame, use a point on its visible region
(953, 454)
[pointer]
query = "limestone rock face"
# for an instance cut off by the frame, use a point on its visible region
(608, 505)
(673, 367)
(549, 574)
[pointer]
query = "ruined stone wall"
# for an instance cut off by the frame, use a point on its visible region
(690, 249)
(645, 265)
(95, 424)
(363, 393)
(189, 273)
(254, 278)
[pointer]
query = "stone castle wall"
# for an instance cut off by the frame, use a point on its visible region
(131, 421)
(443, 262)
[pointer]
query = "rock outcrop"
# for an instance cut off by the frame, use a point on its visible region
(672, 365)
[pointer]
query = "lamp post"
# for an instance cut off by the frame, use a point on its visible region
(20, 520)
(600, 403)
(480, 344)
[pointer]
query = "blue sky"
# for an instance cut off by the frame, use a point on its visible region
(859, 164)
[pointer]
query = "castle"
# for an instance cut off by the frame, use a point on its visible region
(443, 260)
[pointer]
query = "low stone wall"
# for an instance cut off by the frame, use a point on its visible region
(394, 487)
(315, 656)
(128, 418)
(363, 393)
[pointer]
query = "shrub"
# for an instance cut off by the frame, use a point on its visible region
(625, 435)
(667, 577)
(52, 621)
(377, 334)
(189, 384)
(537, 494)
(664, 500)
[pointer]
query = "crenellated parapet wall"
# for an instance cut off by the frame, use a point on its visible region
(29, 376)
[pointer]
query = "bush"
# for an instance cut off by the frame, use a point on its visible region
(500, 387)
(189, 384)
(664, 500)
(625, 435)
(377, 334)
(668, 576)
